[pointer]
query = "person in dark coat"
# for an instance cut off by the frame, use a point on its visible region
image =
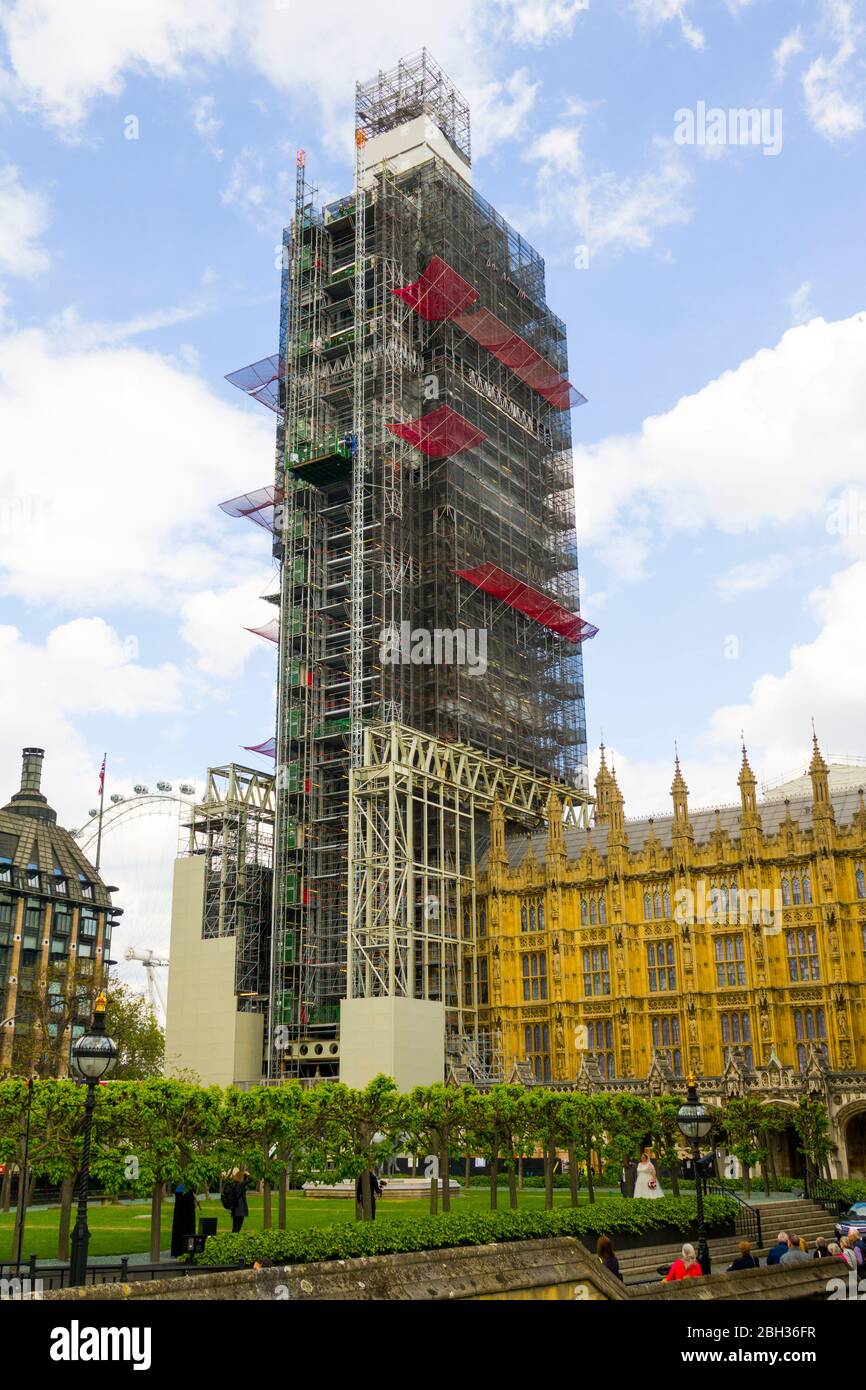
(235, 1194)
(183, 1220)
(745, 1259)
(604, 1251)
(375, 1191)
(775, 1253)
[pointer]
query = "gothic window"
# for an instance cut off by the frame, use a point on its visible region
(730, 960)
(810, 1025)
(524, 917)
(660, 966)
(807, 888)
(541, 916)
(657, 903)
(534, 966)
(532, 917)
(860, 879)
(737, 1032)
(584, 912)
(602, 910)
(600, 1037)
(786, 891)
(802, 949)
(647, 906)
(795, 889)
(723, 900)
(666, 900)
(666, 1038)
(536, 1039)
(482, 922)
(593, 911)
(596, 970)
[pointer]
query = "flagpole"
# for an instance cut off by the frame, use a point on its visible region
(101, 804)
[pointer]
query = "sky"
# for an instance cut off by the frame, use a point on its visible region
(711, 275)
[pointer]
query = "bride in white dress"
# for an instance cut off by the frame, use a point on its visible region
(647, 1183)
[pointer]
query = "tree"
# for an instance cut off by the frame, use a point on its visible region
(667, 1136)
(744, 1123)
(355, 1129)
(811, 1123)
(548, 1110)
(262, 1129)
(130, 1019)
(629, 1123)
(435, 1118)
(586, 1118)
(158, 1132)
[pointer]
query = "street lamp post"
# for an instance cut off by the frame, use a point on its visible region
(93, 1057)
(695, 1124)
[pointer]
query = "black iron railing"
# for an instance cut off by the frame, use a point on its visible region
(747, 1222)
(57, 1276)
(825, 1194)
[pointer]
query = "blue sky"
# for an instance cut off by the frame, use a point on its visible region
(718, 329)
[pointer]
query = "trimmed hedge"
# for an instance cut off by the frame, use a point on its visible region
(610, 1216)
(850, 1189)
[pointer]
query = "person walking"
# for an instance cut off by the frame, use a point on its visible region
(745, 1259)
(686, 1267)
(375, 1191)
(604, 1251)
(647, 1183)
(234, 1198)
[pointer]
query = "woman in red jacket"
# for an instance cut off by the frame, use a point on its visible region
(685, 1268)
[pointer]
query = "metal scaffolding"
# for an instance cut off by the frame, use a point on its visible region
(232, 826)
(422, 440)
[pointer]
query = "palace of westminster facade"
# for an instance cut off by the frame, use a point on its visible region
(731, 943)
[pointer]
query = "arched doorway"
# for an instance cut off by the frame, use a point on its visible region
(855, 1145)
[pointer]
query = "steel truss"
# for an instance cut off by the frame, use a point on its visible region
(418, 810)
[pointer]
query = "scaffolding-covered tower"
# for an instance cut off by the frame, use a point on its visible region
(423, 516)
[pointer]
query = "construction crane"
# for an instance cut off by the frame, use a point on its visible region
(155, 991)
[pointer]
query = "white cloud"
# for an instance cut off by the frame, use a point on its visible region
(790, 46)
(834, 108)
(23, 219)
(214, 624)
(653, 13)
(557, 151)
(765, 444)
(110, 496)
(753, 575)
(63, 59)
(800, 303)
(207, 123)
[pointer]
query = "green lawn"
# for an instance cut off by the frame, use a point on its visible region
(124, 1229)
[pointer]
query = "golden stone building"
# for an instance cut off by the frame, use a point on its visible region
(730, 942)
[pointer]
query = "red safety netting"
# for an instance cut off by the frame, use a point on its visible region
(443, 431)
(268, 749)
(258, 506)
(438, 293)
(269, 630)
(521, 359)
(260, 380)
(532, 602)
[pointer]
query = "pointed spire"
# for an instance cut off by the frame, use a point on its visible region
(819, 774)
(748, 784)
(603, 783)
(497, 853)
(679, 792)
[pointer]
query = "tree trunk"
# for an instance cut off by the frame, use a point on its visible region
(573, 1176)
(494, 1179)
(414, 1165)
(155, 1223)
(520, 1172)
(67, 1188)
(281, 1198)
(512, 1188)
(548, 1177)
(675, 1177)
(266, 1205)
(590, 1189)
(6, 1189)
(771, 1157)
(747, 1180)
(445, 1174)
(467, 1172)
(366, 1197)
(434, 1195)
